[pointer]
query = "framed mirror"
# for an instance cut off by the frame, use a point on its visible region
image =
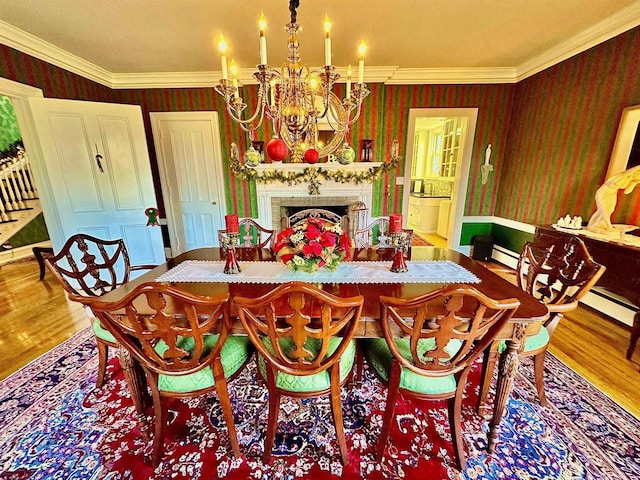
(328, 139)
(626, 150)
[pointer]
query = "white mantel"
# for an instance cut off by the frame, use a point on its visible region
(328, 188)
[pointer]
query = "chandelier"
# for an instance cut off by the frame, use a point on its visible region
(294, 97)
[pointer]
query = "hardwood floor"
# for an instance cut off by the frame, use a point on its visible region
(35, 316)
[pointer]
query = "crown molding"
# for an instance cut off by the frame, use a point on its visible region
(36, 47)
(166, 80)
(608, 28)
(452, 75)
(391, 75)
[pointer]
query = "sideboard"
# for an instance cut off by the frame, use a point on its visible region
(622, 276)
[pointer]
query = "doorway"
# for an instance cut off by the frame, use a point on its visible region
(17, 243)
(438, 158)
(190, 162)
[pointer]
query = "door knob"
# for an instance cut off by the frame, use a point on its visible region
(214, 203)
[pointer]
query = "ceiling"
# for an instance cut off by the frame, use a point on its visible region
(124, 43)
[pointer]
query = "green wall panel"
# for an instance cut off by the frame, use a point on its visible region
(470, 230)
(510, 238)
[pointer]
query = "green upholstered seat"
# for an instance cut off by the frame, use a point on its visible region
(310, 383)
(234, 354)
(102, 333)
(532, 343)
(378, 355)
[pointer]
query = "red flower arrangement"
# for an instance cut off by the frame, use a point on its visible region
(312, 244)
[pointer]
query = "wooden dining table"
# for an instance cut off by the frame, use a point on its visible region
(526, 320)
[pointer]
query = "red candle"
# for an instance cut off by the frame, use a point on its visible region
(232, 223)
(395, 223)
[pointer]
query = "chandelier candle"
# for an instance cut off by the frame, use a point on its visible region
(395, 223)
(327, 40)
(361, 50)
(231, 222)
(262, 24)
(222, 46)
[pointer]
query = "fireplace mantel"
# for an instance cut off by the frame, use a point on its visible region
(331, 167)
(329, 190)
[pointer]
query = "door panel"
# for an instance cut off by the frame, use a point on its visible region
(72, 165)
(107, 203)
(125, 177)
(190, 160)
(199, 229)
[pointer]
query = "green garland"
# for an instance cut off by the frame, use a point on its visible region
(312, 175)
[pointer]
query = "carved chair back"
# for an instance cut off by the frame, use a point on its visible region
(376, 234)
(89, 266)
(165, 328)
(432, 321)
(252, 234)
(559, 272)
(284, 323)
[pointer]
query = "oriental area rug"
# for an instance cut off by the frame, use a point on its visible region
(54, 424)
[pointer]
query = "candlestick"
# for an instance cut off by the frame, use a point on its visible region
(361, 50)
(399, 264)
(327, 40)
(262, 23)
(395, 223)
(487, 155)
(229, 247)
(231, 222)
(222, 46)
(348, 82)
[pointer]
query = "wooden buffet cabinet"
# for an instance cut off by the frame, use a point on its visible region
(622, 275)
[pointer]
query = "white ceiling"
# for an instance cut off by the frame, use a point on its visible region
(125, 43)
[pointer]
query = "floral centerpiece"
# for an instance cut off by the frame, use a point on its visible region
(312, 244)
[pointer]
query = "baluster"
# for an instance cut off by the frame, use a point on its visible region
(22, 178)
(3, 213)
(16, 188)
(34, 189)
(7, 194)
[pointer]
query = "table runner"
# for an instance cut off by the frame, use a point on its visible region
(427, 271)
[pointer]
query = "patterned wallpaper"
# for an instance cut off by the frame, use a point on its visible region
(552, 134)
(55, 82)
(563, 129)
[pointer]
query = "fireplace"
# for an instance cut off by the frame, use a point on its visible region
(282, 208)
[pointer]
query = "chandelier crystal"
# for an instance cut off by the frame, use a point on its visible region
(294, 97)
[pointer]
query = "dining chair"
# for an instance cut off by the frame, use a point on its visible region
(252, 234)
(429, 345)
(89, 267)
(183, 344)
(376, 234)
(558, 273)
(304, 338)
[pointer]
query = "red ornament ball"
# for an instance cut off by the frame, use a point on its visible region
(276, 149)
(311, 156)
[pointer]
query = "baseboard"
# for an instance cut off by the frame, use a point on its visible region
(20, 253)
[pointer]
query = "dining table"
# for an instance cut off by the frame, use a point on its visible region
(526, 321)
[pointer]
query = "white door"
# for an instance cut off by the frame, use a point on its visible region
(190, 161)
(94, 160)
